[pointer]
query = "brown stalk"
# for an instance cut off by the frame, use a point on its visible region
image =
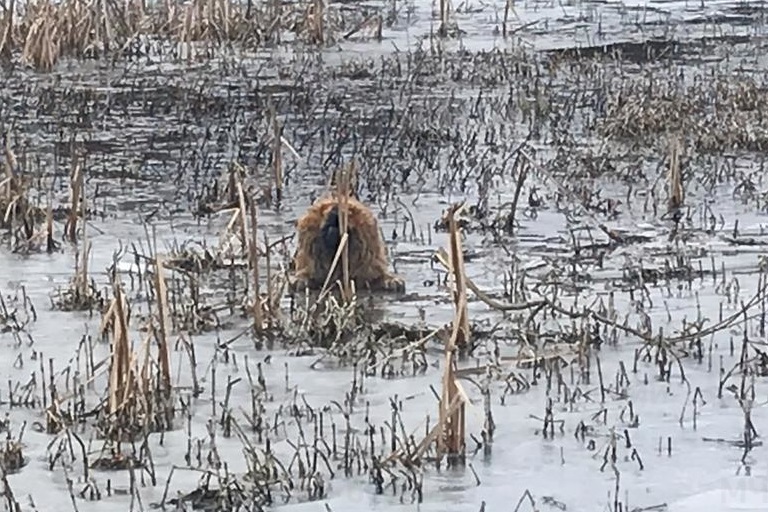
(344, 223)
(452, 419)
(9, 183)
(342, 247)
(107, 319)
(82, 279)
(162, 313)
(232, 179)
(75, 192)
(243, 212)
(253, 253)
(675, 177)
(444, 259)
(277, 157)
(120, 368)
(81, 274)
(461, 320)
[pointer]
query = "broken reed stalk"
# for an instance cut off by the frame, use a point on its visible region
(243, 212)
(120, 368)
(675, 177)
(83, 279)
(444, 259)
(161, 291)
(50, 244)
(453, 399)
(9, 183)
(233, 176)
(277, 156)
(253, 257)
(509, 6)
(459, 280)
(521, 166)
(75, 192)
(344, 191)
(342, 247)
(81, 276)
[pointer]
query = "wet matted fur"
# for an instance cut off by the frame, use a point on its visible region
(318, 238)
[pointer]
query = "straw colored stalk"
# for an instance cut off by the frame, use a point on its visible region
(9, 184)
(450, 431)
(277, 157)
(452, 417)
(121, 378)
(231, 231)
(461, 320)
(341, 181)
(243, 215)
(336, 259)
(75, 192)
(253, 256)
(445, 260)
(675, 177)
(161, 290)
(343, 226)
(82, 274)
(274, 291)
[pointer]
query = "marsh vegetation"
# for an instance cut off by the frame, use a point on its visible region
(575, 197)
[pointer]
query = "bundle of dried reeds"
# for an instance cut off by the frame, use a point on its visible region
(139, 385)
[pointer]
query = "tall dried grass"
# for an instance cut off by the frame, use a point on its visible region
(43, 32)
(139, 384)
(47, 30)
(20, 216)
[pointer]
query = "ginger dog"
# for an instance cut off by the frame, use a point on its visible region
(319, 236)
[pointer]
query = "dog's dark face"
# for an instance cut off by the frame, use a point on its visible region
(330, 233)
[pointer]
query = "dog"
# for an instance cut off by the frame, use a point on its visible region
(319, 236)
